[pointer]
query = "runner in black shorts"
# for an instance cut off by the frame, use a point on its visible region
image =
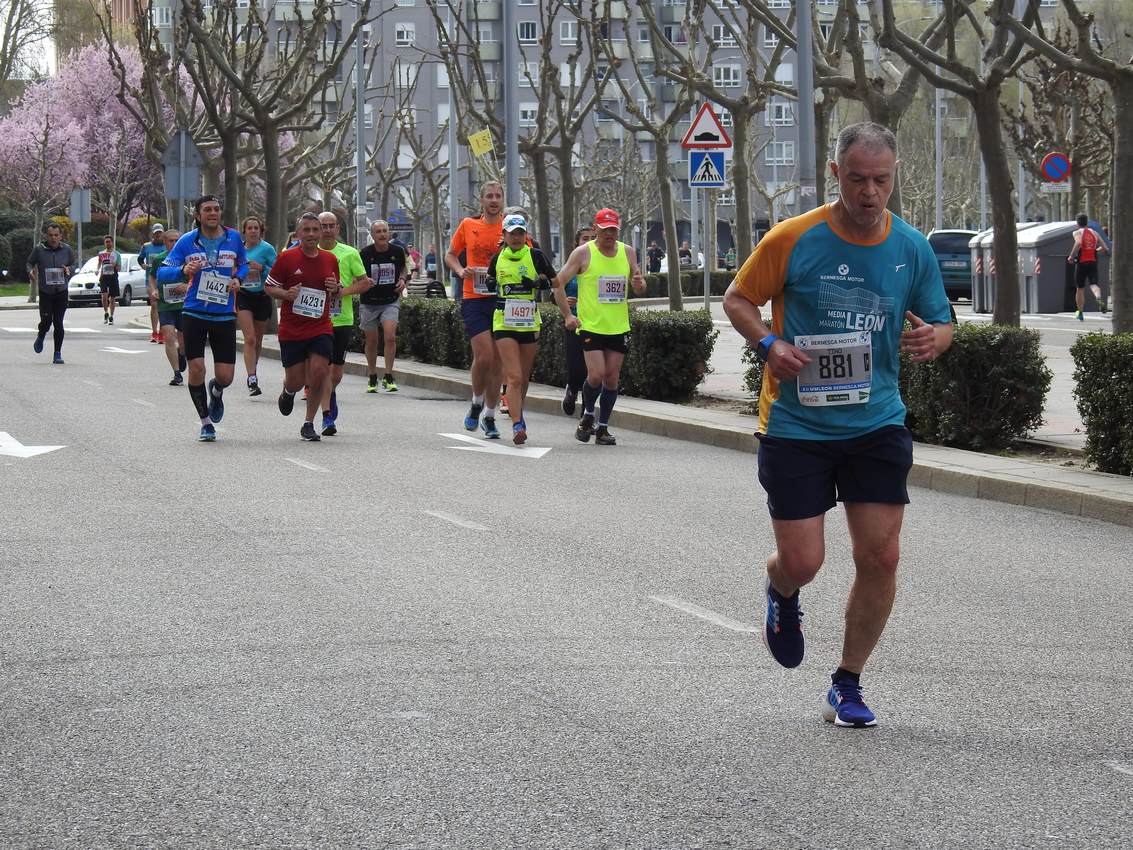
(843, 279)
(212, 259)
(254, 307)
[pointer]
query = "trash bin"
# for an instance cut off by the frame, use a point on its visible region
(981, 301)
(983, 247)
(1046, 277)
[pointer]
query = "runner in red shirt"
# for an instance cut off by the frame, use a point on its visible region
(1084, 256)
(303, 278)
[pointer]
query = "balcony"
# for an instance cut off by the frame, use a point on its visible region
(490, 51)
(618, 11)
(487, 91)
(610, 130)
(619, 49)
(485, 10)
(668, 92)
(291, 12)
(673, 14)
(643, 50)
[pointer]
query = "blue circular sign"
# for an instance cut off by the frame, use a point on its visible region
(1056, 167)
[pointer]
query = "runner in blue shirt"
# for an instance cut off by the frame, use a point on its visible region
(212, 259)
(254, 307)
(842, 281)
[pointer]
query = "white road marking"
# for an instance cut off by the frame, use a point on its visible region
(135, 331)
(311, 466)
(143, 402)
(113, 349)
(1120, 768)
(495, 447)
(23, 330)
(455, 520)
(11, 447)
(92, 384)
(713, 617)
(83, 331)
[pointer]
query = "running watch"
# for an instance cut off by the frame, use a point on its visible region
(763, 348)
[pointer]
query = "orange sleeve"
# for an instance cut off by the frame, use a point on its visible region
(458, 243)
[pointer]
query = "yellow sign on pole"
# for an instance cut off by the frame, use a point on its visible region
(481, 143)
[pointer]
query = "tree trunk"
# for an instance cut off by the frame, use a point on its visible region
(1075, 162)
(542, 202)
(568, 217)
(741, 182)
(275, 210)
(228, 148)
(669, 222)
(822, 114)
(1000, 188)
(1121, 221)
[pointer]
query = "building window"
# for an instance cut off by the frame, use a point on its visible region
(568, 32)
(779, 114)
(529, 74)
(646, 107)
(368, 112)
(442, 76)
(162, 16)
(779, 153)
(406, 3)
(528, 32)
(404, 35)
(406, 75)
(643, 35)
(485, 35)
(726, 76)
(770, 39)
(725, 199)
(723, 36)
(825, 30)
(602, 115)
(528, 113)
(785, 74)
(725, 118)
(778, 4)
(442, 114)
(674, 34)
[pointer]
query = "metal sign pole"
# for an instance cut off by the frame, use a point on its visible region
(181, 181)
(708, 241)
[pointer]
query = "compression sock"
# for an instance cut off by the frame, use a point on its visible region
(606, 405)
(200, 401)
(589, 396)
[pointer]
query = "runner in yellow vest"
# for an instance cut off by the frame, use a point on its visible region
(515, 273)
(604, 269)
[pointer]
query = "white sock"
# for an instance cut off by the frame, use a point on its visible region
(478, 399)
(490, 412)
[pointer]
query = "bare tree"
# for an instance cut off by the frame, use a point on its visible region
(638, 110)
(274, 96)
(983, 88)
(1087, 59)
(24, 26)
(691, 64)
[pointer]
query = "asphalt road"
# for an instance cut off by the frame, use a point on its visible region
(389, 639)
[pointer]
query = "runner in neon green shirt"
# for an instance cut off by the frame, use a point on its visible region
(350, 268)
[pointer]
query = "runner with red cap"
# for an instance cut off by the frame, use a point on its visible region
(604, 268)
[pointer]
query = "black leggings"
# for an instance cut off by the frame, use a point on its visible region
(575, 362)
(52, 306)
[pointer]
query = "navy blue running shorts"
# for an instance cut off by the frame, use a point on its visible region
(805, 478)
(477, 314)
(295, 351)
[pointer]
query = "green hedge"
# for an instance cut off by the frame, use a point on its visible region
(14, 220)
(93, 242)
(668, 357)
(692, 284)
(21, 241)
(985, 393)
(5, 253)
(1103, 378)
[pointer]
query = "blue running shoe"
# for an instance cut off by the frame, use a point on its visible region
(473, 417)
(57, 359)
(519, 432)
(783, 627)
(37, 346)
(488, 426)
(843, 706)
(208, 434)
(216, 403)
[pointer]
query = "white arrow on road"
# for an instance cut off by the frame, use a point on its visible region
(116, 350)
(494, 448)
(11, 447)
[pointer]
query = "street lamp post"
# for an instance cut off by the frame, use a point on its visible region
(938, 157)
(804, 42)
(360, 143)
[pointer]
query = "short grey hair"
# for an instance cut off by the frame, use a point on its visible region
(868, 134)
(378, 221)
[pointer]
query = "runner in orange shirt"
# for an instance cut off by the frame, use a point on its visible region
(472, 247)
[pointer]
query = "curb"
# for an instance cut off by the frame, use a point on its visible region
(1091, 495)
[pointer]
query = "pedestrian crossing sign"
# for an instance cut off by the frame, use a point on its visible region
(706, 169)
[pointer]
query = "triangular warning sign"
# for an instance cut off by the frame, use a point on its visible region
(707, 172)
(706, 132)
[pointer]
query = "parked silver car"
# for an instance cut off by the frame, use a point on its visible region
(83, 286)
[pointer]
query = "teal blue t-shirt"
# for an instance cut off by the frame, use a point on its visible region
(843, 303)
(264, 254)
